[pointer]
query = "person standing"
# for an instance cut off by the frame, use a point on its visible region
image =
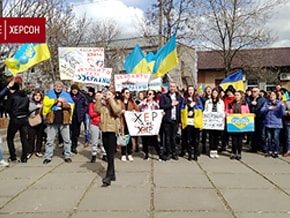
(192, 102)
(80, 109)
(170, 102)
(274, 111)
(3, 92)
(109, 109)
(18, 109)
(214, 104)
(58, 108)
(87, 122)
(287, 125)
(127, 104)
(95, 133)
(238, 106)
(258, 137)
(149, 104)
(35, 133)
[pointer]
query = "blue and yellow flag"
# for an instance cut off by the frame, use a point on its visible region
(285, 96)
(166, 58)
(150, 58)
(235, 79)
(136, 62)
(27, 56)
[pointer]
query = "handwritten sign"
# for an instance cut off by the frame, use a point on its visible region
(91, 74)
(71, 57)
(240, 123)
(213, 120)
(134, 82)
(144, 123)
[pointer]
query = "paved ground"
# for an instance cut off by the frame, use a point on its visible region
(253, 187)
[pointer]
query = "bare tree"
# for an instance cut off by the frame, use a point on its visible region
(230, 25)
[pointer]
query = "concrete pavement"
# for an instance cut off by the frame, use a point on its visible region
(219, 188)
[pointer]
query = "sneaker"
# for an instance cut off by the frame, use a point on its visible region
(67, 160)
(38, 154)
(3, 163)
(13, 160)
(232, 156)
(211, 154)
(29, 155)
(216, 155)
(123, 158)
(130, 158)
(146, 157)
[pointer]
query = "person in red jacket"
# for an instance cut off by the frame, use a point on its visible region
(96, 133)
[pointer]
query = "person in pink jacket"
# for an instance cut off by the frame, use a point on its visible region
(96, 133)
(238, 106)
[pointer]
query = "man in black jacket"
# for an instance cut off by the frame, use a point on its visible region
(18, 109)
(170, 102)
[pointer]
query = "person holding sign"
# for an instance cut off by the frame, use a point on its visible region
(238, 106)
(109, 109)
(274, 111)
(127, 104)
(149, 104)
(214, 104)
(192, 103)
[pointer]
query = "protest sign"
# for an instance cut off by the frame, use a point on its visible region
(134, 82)
(143, 123)
(213, 120)
(71, 57)
(92, 75)
(240, 123)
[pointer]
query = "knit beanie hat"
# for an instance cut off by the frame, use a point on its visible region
(74, 86)
(91, 89)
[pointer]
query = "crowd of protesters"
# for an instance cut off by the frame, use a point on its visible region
(101, 112)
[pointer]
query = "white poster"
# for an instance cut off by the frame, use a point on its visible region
(144, 123)
(134, 82)
(71, 57)
(93, 75)
(213, 120)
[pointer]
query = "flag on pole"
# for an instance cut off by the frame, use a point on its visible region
(27, 56)
(136, 62)
(150, 58)
(235, 79)
(166, 58)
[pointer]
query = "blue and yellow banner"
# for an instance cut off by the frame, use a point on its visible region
(166, 58)
(136, 62)
(27, 56)
(235, 79)
(240, 123)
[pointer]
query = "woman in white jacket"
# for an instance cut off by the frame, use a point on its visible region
(214, 104)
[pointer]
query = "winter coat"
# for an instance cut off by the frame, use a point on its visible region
(110, 113)
(273, 118)
(95, 117)
(165, 104)
(209, 106)
(256, 109)
(244, 108)
(81, 105)
(18, 104)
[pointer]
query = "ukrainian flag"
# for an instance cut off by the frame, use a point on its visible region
(235, 79)
(166, 58)
(150, 58)
(136, 62)
(27, 56)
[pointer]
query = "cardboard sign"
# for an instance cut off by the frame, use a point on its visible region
(213, 120)
(144, 123)
(134, 82)
(240, 123)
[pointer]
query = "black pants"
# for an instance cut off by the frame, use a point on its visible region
(237, 143)
(213, 139)
(150, 140)
(170, 131)
(75, 129)
(109, 143)
(193, 135)
(35, 138)
(15, 125)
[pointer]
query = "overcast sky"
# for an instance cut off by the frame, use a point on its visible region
(128, 14)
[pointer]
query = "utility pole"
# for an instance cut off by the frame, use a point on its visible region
(160, 43)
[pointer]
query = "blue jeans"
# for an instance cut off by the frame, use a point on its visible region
(1, 148)
(273, 134)
(288, 137)
(52, 130)
(87, 123)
